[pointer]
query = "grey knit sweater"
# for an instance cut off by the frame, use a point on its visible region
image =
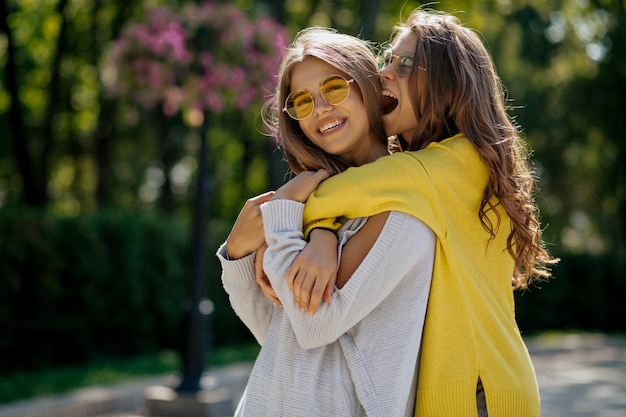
(358, 355)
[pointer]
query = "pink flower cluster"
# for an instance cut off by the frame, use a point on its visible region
(205, 57)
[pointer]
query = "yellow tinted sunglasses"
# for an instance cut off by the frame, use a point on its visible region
(300, 103)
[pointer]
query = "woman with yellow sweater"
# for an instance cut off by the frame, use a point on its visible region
(467, 177)
(345, 360)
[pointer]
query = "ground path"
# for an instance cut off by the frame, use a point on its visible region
(579, 375)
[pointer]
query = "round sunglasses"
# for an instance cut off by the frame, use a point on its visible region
(404, 62)
(300, 103)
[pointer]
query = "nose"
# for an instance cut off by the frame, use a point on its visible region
(320, 105)
(387, 72)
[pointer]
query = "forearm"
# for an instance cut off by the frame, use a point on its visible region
(392, 183)
(365, 290)
(245, 295)
(236, 248)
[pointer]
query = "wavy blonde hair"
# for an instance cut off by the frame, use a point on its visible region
(349, 55)
(455, 88)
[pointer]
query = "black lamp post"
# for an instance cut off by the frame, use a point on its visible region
(199, 309)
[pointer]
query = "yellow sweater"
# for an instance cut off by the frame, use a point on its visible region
(470, 329)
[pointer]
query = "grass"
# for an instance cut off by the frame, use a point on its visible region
(24, 385)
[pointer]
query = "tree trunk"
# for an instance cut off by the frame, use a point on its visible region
(104, 134)
(103, 137)
(33, 190)
(168, 157)
(54, 92)
(277, 165)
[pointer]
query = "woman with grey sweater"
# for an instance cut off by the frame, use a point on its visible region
(358, 354)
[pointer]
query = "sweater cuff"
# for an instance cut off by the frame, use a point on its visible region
(238, 269)
(282, 215)
(328, 224)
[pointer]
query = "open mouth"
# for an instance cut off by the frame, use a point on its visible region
(389, 102)
(331, 125)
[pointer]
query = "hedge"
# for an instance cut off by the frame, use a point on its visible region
(114, 283)
(585, 294)
(108, 284)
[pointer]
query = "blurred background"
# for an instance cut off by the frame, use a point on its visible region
(130, 137)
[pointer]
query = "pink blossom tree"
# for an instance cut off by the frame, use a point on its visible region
(205, 57)
(196, 62)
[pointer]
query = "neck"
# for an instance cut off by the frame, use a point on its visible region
(376, 151)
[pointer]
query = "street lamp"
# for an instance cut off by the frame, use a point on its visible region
(199, 309)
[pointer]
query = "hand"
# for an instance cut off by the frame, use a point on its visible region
(247, 234)
(312, 275)
(302, 185)
(261, 278)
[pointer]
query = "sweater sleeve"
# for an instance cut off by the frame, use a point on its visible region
(246, 297)
(398, 182)
(404, 181)
(403, 243)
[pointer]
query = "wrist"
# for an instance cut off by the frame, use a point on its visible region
(323, 233)
(233, 252)
(324, 229)
(283, 196)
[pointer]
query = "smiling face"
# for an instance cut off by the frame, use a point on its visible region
(398, 112)
(342, 130)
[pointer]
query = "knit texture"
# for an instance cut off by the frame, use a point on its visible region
(357, 356)
(470, 328)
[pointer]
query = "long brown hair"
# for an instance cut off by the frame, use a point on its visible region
(455, 88)
(349, 55)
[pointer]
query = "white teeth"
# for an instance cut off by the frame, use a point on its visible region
(389, 94)
(325, 128)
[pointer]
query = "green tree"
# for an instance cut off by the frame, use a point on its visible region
(67, 145)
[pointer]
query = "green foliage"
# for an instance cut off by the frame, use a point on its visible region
(558, 60)
(109, 283)
(580, 297)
